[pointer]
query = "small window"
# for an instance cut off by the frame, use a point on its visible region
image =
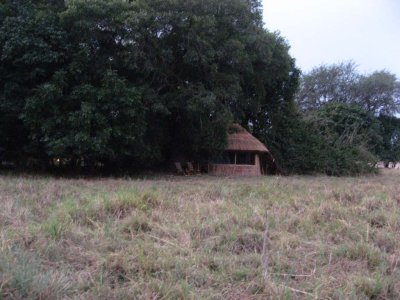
(232, 158)
(245, 158)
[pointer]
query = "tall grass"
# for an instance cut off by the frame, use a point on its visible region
(200, 237)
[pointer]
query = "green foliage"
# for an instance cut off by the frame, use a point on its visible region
(390, 151)
(327, 83)
(84, 121)
(378, 93)
(349, 138)
(128, 84)
(208, 63)
(31, 47)
(122, 83)
(352, 134)
(346, 125)
(299, 147)
(337, 139)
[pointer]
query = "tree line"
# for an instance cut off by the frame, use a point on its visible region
(352, 117)
(134, 84)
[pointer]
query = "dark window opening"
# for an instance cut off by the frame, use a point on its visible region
(245, 158)
(232, 158)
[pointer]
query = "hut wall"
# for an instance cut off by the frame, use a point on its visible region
(236, 170)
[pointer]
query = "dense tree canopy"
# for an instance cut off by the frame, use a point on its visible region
(336, 139)
(32, 48)
(351, 115)
(350, 138)
(119, 81)
(129, 84)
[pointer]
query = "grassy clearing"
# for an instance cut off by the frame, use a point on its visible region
(200, 237)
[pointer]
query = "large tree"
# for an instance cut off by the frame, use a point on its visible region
(213, 55)
(32, 47)
(327, 83)
(141, 81)
(88, 111)
(378, 93)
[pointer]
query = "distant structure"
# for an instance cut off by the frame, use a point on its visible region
(244, 155)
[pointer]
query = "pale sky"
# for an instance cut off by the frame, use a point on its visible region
(326, 31)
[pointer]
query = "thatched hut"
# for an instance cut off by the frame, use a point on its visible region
(244, 155)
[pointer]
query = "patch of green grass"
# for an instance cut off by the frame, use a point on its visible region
(372, 288)
(362, 252)
(23, 276)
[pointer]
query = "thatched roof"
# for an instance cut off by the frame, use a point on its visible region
(241, 140)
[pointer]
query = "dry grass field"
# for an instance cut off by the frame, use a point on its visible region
(200, 237)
